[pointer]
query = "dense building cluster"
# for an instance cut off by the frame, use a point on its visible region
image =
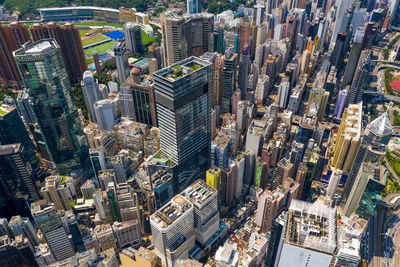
(253, 137)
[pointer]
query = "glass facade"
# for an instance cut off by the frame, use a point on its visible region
(50, 96)
(184, 117)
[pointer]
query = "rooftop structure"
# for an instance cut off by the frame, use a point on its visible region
(312, 226)
(172, 211)
(199, 193)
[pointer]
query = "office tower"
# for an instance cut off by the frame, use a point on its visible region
(173, 230)
(361, 78)
(127, 234)
(340, 104)
(367, 190)
(212, 177)
(184, 114)
(22, 226)
(333, 183)
(354, 56)
(122, 68)
(303, 248)
(49, 223)
(283, 93)
(106, 113)
(73, 230)
(341, 11)
(51, 100)
(59, 190)
(133, 37)
(339, 51)
(194, 6)
(194, 38)
(244, 63)
(269, 206)
(143, 105)
(226, 187)
(96, 61)
(348, 138)
(105, 237)
(16, 252)
(91, 92)
(9, 75)
(221, 150)
(17, 183)
(205, 206)
(13, 131)
(19, 32)
(228, 80)
(218, 35)
(128, 203)
(372, 148)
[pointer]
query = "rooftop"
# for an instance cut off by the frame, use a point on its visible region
(182, 68)
(4, 109)
(171, 211)
(381, 125)
(312, 225)
(199, 192)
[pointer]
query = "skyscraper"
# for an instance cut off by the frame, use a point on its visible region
(194, 38)
(372, 148)
(13, 131)
(50, 95)
(244, 63)
(140, 101)
(8, 71)
(342, 6)
(49, 223)
(69, 39)
(172, 227)
(133, 37)
(348, 138)
(184, 114)
(16, 181)
(122, 68)
(361, 78)
(19, 32)
(91, 92)
(228, 80)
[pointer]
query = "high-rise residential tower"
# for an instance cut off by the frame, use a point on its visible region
(194, 38)
(122, 68)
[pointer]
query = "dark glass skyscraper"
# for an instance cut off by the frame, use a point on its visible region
(13, 131)
(184, 117)
(50, 96)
